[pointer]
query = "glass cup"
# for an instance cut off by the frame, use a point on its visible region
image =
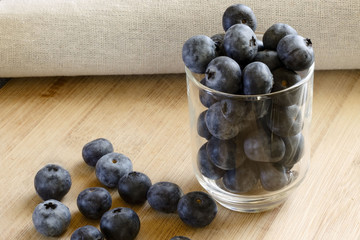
(249, 152)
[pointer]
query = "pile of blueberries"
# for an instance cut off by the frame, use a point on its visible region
(113, 170)
(250, 139)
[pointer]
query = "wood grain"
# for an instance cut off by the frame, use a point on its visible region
(47, 120)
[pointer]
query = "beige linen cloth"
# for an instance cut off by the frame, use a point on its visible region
(103, 37)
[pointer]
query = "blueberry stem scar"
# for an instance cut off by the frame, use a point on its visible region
(50, 205)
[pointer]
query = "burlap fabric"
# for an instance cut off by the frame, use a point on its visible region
(102, 37)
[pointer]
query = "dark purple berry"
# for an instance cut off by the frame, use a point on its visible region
(52, 182)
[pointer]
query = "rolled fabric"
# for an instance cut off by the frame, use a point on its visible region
(111, 37)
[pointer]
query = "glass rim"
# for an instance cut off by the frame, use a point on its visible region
(304, 80)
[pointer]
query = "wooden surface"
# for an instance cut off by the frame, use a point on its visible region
(48, 120)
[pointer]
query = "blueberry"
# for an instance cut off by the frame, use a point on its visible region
(94, 202)
(87, 232)
(180, 238)
(239, 14)
(120, 224)
(164, 196)
(111, 167)
(223, 74)
(94, 150)
(217, 124)
(285, 121)
(262, 146)
(260, 45)
(259, 108)
(295, 52)
(52, 182)
(273, 177)
(234, 111)
(206, 97)
(197, 209)
(257, 79)
(283, 79)
(240, 43)
(294, 150)
(202, 129)
(51, 218)
(133, 187)
(197, 52)
(206, 166)
(275, 33)
(219, 42)
(242, 179)
(225, 154)
(270, 58)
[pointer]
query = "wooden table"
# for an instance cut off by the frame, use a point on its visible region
(48, 120)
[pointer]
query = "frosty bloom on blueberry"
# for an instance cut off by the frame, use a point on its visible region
(133, 187)
(87, 232)
(223, 74)
(164, 196)
(120, 224)
(111, 167)
(94, 202)
(296, 52)
(52, 182)
(94, 150)
(275, 33)
(240, 43)
(239, 14)
(51, 218)
(197, 52)
(197, 209)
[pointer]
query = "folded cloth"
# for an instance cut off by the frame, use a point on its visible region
(107, 37)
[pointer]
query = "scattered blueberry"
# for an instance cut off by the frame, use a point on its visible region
(257, 79)
(111, 167)
(242, 179)
(133, 187)
(180, 238)
(51, 218)
(52, 182)
(240, 43)
(94, 202)
(262, 146)
(197, 209)
(239, 14)
(217, 124)
(197, 52)
(87, 232)
(94, 150)
(120, 224)
(273, 177)
(164, 196)
(275, 33)
(206, 166)
(296, 52)
(223, 74)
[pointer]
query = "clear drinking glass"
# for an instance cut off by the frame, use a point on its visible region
(268, 153)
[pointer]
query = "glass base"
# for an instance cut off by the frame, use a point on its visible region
(251, 202)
